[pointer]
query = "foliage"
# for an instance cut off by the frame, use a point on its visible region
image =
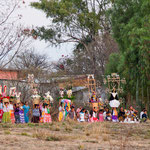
(73, 18)
(84, 22)
(131, 29)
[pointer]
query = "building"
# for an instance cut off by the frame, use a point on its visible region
(9, 74)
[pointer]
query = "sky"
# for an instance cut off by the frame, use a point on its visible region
(32, 17)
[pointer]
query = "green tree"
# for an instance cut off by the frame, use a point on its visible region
(79, 21)
(131, 28)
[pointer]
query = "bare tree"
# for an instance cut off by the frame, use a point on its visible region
(30, 62)
(29, 59)
(94, 61)
(12, 37)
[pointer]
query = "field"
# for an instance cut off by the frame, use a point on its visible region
(75, 136)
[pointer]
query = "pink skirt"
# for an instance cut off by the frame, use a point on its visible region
(47, 118)
(101, 118)
(93, 119)
(1, 114)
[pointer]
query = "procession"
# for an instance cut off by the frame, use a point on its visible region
(13, 110)
(74, 74)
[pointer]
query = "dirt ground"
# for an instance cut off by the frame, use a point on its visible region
(75, 136)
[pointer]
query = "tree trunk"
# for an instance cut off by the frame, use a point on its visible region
(137, 94)
(148, 102)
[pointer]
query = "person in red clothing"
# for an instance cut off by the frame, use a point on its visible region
(1, 110)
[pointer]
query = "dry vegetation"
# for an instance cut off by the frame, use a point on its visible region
(75, 136)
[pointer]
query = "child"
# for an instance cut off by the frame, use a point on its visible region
(82, 115)
(72, 114)
(144, 116)
(142, 112)
(17, 116)
(86, 116)
(36, 114)
(91, 116)
(78, 113)
(121, 115)
(95, 115)
(6, 114)
(101, 117)
(21, 113)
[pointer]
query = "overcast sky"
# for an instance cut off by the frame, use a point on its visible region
(33, 17)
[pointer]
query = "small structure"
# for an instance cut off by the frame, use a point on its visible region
(114, 81)
(95, 102)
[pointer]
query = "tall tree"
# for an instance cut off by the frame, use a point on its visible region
(81, 21)
(131, 29)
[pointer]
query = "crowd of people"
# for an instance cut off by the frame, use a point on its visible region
(14, 112)
(18, 112)
(103, 114)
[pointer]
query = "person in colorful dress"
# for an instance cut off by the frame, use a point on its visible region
(66, 111)
(26, 112)
(47, 116)
(6, 114)
(61, 112)
(91, 116)
(16, 112)
(42, 108)
(11, 108)
(95, 115)
(1, 110)
(100, 115)
(114, 115)
(21, 114)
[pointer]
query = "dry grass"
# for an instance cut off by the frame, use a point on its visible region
(73, 135)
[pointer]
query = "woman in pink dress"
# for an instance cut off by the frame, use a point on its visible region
(47, 117)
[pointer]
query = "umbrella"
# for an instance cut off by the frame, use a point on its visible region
(66, 101)
(114, 103)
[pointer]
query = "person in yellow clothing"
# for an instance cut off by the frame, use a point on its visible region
(6, 115)
(61, 114)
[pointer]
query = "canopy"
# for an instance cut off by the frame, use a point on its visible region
(66, 101)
